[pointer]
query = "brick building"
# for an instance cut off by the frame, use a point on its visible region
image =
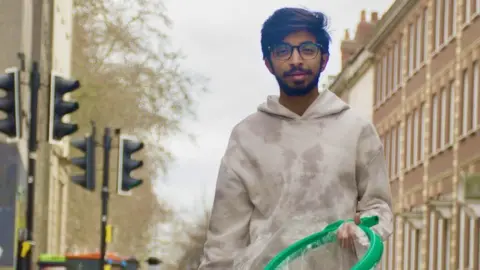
(426, 56)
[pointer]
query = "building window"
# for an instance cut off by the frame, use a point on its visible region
(383, 261)
(393, 152)
(384, 78)
(448, 239)
(411, 50)
(422, 132)
(443, 117)
(425, 34)
(413, 247)
(390, 71)
(451, 117)
(440, 247)
(454, 18)
(468, 11)
(415, 135)
(387, 149)
(465, 103)
(391, 246)
(475, 95)
(418, 44)
(378, 91)
(467, 241)
(395, 66)
(461, 238)
(432, 250)
(434, 122)
(400, 60)
(471, 242)
(441, 242)
(419, 249)
(406, 245)
(408, 144)
(399, 147)
(446, 20)
(438, 10)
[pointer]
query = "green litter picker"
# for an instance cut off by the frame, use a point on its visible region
(368, 261)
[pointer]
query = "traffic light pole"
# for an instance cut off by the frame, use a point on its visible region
(32, 149)
(107, 146)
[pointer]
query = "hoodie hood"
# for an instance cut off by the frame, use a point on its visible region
(326, 104)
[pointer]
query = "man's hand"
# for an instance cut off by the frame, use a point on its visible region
(346, 233)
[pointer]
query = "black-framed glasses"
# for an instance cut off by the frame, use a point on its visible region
(307, 50)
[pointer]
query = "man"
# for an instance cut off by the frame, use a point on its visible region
(303, 160)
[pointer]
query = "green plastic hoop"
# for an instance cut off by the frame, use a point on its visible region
(328, 235)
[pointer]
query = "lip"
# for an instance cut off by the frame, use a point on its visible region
(298, 76)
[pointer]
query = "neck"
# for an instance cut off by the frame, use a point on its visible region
(298, 104)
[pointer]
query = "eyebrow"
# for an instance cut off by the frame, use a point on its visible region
(305, 42)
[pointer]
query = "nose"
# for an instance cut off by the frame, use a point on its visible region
(296, 59)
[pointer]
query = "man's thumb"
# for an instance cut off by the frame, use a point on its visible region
(356, 219)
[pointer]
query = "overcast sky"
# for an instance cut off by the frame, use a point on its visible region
(221, 39)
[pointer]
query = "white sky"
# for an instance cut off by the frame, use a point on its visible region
(221, 39)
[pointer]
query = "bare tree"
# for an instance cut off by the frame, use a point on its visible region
(131, 79)
(180, 239)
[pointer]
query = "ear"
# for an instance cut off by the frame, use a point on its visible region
(324, 62)
(268, 64)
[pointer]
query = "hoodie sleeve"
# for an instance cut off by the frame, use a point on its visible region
(372, 182)
(228, 231)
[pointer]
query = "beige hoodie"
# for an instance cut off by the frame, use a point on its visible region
(285, 176)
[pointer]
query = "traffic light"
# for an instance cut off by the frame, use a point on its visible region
(85, 162)
(127, 147)
(10, 103)
(59, 86)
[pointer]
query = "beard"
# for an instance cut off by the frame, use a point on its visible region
(296, 91)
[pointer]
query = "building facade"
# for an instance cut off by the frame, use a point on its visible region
(355, 84)
(425, 108)
(421, 68)
(27, 26)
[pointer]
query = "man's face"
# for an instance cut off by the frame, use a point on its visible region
(297, 74)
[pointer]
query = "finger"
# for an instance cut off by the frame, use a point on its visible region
(341, 236)
(351, 229)
(341, 233)
(350, 237)
(346, 243)
(356, 219)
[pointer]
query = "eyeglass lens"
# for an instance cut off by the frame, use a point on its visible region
(306, 50)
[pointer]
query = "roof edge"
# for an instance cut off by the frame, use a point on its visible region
(394, 15)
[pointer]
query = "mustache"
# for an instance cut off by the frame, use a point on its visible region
(297, 70)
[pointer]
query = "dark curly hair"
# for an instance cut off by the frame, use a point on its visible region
(286, 21)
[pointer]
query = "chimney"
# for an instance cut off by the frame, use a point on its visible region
(348, 48)
(374, 17)
(365, 28)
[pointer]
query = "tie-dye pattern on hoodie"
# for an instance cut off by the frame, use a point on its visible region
(285, 176)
